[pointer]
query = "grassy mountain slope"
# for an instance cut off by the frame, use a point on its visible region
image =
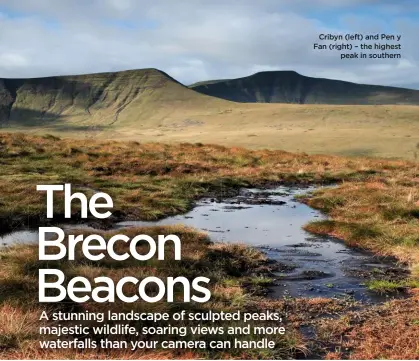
(291, 87)
(101, 99)
(147, 105)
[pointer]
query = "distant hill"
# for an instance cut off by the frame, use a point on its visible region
(147, 105)
(145, 97)
(292, 87)
(102, 98)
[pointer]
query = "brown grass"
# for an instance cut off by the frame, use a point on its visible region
(375, 205)
(390, 331)
(229, 267)
(380, 131)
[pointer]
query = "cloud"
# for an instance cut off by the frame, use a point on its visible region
(12, 61)
(196, 40)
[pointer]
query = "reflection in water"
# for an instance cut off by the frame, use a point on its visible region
(272, 220)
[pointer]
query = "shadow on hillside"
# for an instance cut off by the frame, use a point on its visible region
(29, 118)
(292, 87)
(68, 91)
(49, 97)
(79, 91)
(55, 94)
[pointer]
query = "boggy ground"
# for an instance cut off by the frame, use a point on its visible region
(237, 274)
(375, 206)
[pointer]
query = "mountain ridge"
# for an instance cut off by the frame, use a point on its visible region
(288, 86)
(150, 99)
(39, 98)
(147, 105)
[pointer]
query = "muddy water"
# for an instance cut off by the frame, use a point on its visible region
(272, 220)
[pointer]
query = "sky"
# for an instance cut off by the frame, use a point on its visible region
(195, 40)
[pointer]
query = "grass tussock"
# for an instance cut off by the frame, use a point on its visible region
(385, 286)
(389, 331)
(377, 215)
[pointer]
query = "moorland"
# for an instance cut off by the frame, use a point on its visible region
(374, 205)
(157, 146)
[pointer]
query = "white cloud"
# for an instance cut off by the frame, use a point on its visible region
(13, 61)
(194, 40)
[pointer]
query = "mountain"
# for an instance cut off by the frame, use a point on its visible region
(147, 105)
(102, 98)
(145, 97)
(292, 87)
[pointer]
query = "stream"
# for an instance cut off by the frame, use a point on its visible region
(272, 220)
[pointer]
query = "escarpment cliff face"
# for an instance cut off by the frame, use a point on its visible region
(132, 94)
(291, 87)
